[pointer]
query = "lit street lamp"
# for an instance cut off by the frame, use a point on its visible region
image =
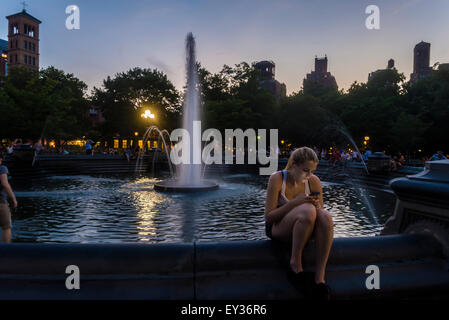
(148, 114)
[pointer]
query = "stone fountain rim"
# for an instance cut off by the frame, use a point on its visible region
(169, 186)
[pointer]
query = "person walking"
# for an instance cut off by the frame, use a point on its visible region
(5, 213)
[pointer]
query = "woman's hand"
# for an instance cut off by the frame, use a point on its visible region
(315, 200)
(302, 198)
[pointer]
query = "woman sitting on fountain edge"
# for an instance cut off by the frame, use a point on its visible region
(293, 215)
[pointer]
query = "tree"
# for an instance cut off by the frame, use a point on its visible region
(428, 100)
(126, 96)
(235, 99)
(48, 104)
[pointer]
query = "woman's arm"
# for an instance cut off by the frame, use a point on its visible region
(272, 213)
(5, 184)
(315, 186)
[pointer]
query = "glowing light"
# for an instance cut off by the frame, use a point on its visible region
(136, 133)
(282, 141)
(148, 114)
(366, 138)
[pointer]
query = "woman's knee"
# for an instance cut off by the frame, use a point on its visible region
(324, 219)
(306, 213)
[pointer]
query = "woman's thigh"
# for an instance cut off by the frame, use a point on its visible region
(284, 228)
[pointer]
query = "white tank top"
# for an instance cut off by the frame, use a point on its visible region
(284, 182)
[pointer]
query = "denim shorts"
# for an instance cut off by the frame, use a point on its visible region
(268, 230)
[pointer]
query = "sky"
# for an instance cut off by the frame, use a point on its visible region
(115, 36)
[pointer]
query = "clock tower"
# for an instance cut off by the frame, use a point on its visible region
(23, 40)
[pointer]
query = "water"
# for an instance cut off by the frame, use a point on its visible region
(117, 209)
(190, 174)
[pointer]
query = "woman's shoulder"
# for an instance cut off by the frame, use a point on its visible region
(276, 178)
(315, 180)
(3, 169)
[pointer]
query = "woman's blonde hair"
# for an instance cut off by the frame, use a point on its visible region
(301, 155)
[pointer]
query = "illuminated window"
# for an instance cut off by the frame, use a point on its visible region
(140, 144)
(115, 144)
(155, 144)
(124, 143)
(149, 144)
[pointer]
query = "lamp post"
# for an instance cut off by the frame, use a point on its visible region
(365, 143)
(148, 115)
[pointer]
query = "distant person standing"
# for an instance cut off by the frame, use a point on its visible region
(323, 154)
(366, 155)
(88, 145)
(38, 146)
(128, 154)
(5, 213)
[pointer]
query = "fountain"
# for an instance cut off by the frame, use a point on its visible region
(146, 137)
(188, 176)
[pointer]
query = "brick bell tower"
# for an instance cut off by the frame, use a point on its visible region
(23, 40)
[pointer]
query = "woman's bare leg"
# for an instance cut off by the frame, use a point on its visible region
(296, 226)
(302, 230)
(6, 235)
(324, 234)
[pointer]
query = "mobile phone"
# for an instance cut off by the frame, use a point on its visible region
(314, 194)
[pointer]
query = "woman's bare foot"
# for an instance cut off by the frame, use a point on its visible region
(295, 266)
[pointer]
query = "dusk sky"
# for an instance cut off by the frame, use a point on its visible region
(118, 35)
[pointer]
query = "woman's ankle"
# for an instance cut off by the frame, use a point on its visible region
(296, 267)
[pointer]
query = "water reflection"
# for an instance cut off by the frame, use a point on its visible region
(84, 209)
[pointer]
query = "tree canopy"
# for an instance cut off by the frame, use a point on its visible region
(49, 103)
(396, 115)
(125, 97)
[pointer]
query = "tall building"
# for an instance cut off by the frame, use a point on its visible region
(267, 73)
(390, 65)
(3, 57)
(421, 61)
(321, 76)
(23, 40)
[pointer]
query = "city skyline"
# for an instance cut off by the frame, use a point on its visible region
(115, 37)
